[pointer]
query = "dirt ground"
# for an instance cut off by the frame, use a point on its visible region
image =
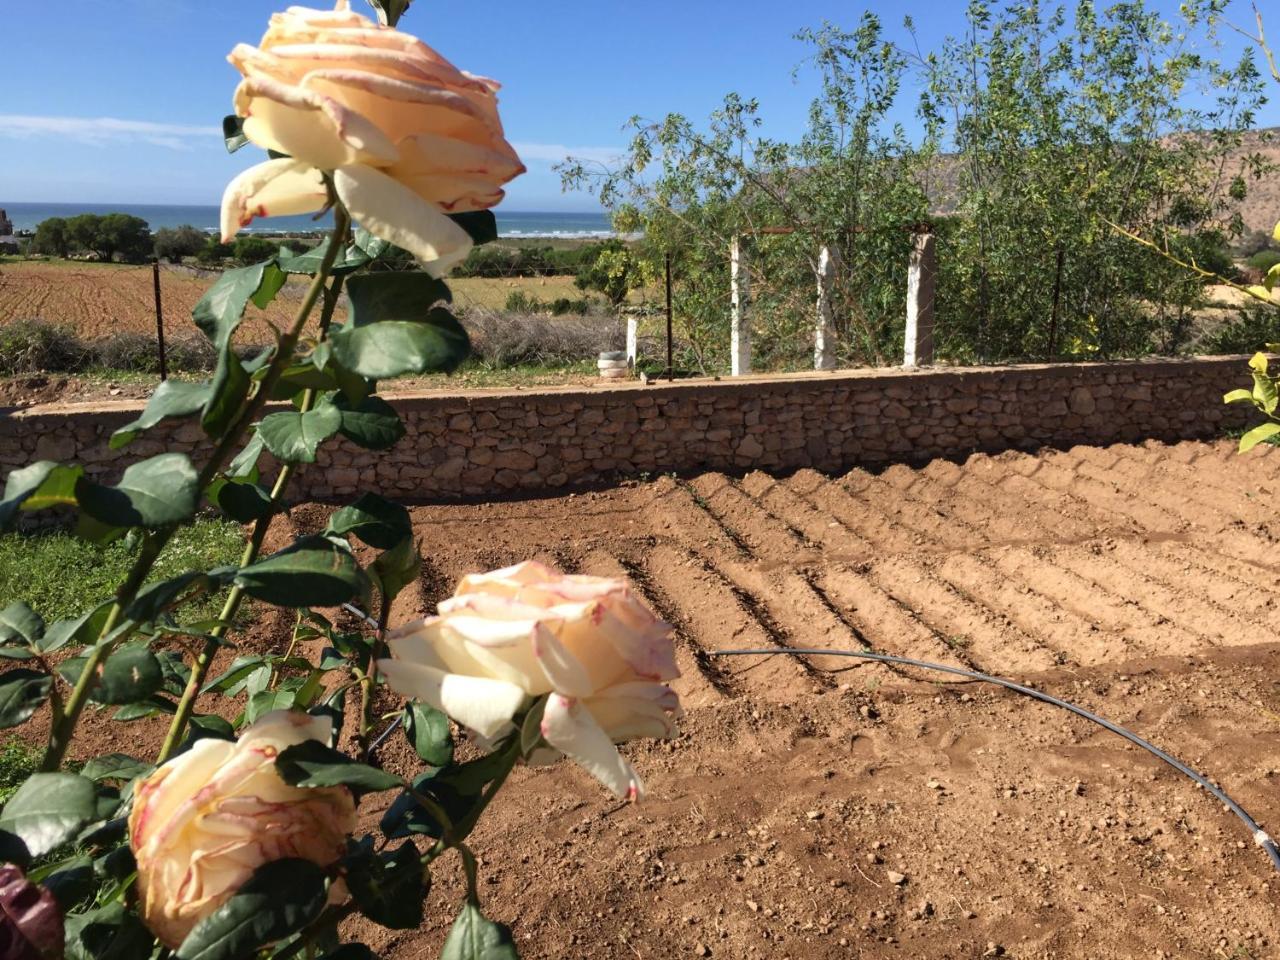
(817, 807)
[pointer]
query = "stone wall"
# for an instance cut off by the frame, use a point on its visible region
(487, 443)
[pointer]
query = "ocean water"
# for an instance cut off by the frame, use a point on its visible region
(25, 216)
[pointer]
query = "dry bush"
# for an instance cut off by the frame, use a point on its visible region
(500, 339)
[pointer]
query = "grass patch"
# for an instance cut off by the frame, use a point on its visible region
(18, 761)
(60, 576)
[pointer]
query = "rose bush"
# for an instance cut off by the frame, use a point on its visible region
(203, 822)
(406, 135)
(587, 644)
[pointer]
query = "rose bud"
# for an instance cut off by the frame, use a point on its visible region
(205, 821)
(527, 631)
(407, 136)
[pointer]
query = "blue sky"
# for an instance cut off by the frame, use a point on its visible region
(120, 100)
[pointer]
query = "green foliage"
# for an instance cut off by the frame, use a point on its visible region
(520, 302)
(612, 271)
(214, 251)
(174, 243)
(1254, 327)
(251, 249)
(17, 762)
(104, 236)
(1264, 260)
(1043, 127)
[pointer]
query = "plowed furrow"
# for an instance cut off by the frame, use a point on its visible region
(986, 636)
(1057, 472)
(1255, 549)
(1074, 638)
(711, 612)
(1260, 589)
(676, 514)
(813, 525)
(1111, 611)
(1227, 489)
(1176, 499)
(1234, 597)
(1178, 606)
(882, 532)
(888, 626)
(1069, 506)
(925, 520)
(701, 680)
(949, 500)
(1040, 520)
(746, 521)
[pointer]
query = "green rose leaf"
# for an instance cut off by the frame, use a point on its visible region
(154, 493)
(115, 766)
(220, 310)
(227, 393)
(130, 675)
(379, 522)
(48, 810)
(245, 464)
(156, 598)
(374, 247)
(70, 882)
(281, 898)
(474, 937)
(313, 572)
(240, 669)
(312, 764)
(173, 398)
(429, 734)
(481, 225)
(294, 437)
(371, 423)
(457, 789)
(435, 344)
(389, 888)
(233, 132)
(396, 569)
(307, 375)
(83, 629)
(273, 281)
(20, 624)
(107, 933)
(241, 500)
(42, 485)
(310, 261)
(22, 692)
(409, 295)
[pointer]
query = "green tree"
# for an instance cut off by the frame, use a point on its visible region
(52, 237)
(251, 249)
(612, 271)
(174, 243)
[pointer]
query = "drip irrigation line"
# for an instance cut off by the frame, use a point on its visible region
(1260, 836)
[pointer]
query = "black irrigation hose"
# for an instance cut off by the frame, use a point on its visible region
(1259, 835)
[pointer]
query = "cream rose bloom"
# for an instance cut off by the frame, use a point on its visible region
(512, 635)
(407, 135)
(204, 821)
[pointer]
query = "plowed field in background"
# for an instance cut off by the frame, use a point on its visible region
(1140, 581)
(97, 300)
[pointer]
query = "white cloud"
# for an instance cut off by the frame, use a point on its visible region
(100, 130)
(558, 152)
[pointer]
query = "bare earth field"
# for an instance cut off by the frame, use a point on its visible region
(817, 807)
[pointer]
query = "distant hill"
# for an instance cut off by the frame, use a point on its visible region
(1261, 210)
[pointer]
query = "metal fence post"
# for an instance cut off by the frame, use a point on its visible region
(155, 276)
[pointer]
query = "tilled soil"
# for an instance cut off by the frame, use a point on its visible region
(820, 807)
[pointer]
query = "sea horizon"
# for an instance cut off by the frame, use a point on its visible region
(511, 223)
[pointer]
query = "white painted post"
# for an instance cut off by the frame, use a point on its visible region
(824, 335)
(632, 340)
(922, 283)
(740, 291)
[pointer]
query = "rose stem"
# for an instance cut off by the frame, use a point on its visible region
(204, 660)
(63, 726)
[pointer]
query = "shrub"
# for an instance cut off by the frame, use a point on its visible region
(174, 243)
(512, 339)
(1255, 327)
(253, 249)
(521, 302)
(1264, 260)
(34, 346)
(214, 251)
